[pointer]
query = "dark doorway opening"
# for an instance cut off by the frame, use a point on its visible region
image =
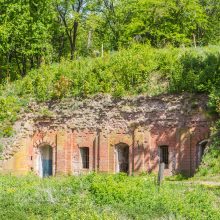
(122, 158)
(46, 168)
(84, 152)
(201, 150)
(164, 155)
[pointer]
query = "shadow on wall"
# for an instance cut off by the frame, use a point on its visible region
(163, 148)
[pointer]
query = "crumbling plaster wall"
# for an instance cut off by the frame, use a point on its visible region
(102, 122)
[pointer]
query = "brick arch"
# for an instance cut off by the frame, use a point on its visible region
(122, 143)
(43, 142)
(203, 141)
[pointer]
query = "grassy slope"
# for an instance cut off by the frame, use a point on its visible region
(105, 197)
(140, 69)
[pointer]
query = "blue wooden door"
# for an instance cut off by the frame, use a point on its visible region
(47, 167)
(47, 163)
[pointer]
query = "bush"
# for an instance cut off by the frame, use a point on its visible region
(98, 196)
(211, 160)
(140, 69)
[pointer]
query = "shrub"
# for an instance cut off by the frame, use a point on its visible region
(101, 196)
(140, 69)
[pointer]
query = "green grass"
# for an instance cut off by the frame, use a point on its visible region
(214, 178)
(99, 196)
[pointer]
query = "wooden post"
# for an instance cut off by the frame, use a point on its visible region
(160, 173)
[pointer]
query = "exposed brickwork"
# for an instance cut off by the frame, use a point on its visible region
(101, 123)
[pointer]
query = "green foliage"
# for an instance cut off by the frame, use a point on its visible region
(24, 35)
(45, 112)
(9, 109)
(211, 161)
(177, 177)
(127, 72)
(166, 22)
(139, 70)
(214, 101)
(160, 23)
(33, 33)
(98, 196)
(198, 72)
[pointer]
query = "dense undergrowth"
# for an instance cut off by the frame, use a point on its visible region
(211, 161)
(97, 196)
(139, 70)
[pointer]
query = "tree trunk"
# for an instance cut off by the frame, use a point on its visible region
(73, 46)
(38, 61)
(61, 47)
(18, 64)
(31, 62)
(24, 65)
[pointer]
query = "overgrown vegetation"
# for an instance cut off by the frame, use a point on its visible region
(120, 47)
(104, 197)
(33, 33)
(211, 161)
(141, 69)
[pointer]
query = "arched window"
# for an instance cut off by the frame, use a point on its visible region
(84, 152)
(164, 155)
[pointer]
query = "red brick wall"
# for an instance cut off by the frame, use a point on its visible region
(143, 145)
(102, 123)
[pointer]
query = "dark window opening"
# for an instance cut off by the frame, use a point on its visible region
(122, 159)
(201, 150)
(84, 151)
(164, 155)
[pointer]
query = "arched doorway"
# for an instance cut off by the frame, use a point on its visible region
(201, 150)
(122, 158)
(45, 161)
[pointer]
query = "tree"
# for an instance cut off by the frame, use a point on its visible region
(71, 13)
(33, 32)
(211, 34)
(164, 22)
(24, 35)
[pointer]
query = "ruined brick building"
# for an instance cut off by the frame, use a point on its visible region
(104, 134)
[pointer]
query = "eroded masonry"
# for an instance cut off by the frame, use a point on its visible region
(104, 134)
